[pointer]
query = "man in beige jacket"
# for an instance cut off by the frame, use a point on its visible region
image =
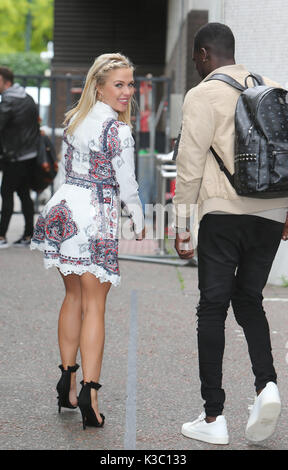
(237, 241)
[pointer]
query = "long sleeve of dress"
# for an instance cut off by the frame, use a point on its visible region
(60, 177)
(124, 167)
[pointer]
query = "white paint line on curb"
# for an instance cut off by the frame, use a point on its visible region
(131, 388)
(275, 299)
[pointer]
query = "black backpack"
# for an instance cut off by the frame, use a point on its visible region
(261, 139)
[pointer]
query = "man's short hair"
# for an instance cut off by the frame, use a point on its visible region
(218, 38)
(7, 74)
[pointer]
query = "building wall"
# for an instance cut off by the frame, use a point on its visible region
(184, 18)
(85, 29)
(260, 29)
(179, 64)
(261, 33)
(178, 11)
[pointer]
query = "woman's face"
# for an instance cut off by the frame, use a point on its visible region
(118, 89)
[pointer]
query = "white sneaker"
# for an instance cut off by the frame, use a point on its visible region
(214, 433)
(264, 414)
(3, 243)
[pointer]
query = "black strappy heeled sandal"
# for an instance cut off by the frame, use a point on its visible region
(63, 387)
(89, 417)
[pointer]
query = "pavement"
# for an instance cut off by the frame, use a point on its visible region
(150, 382)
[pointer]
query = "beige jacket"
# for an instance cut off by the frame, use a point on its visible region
(208, 119)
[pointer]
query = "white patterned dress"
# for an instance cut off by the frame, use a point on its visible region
(78, 229)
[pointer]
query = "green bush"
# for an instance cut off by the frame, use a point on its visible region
(24, 63)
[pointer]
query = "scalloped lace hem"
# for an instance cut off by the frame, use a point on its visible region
(66, 269)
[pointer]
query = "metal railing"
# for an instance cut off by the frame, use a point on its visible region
(63, 91)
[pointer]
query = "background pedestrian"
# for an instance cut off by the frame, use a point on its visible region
(19, 131)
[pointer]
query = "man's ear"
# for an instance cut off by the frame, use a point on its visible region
(204, 54)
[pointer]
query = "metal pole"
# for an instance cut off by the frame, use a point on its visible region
(162, 215)
(173, 261)
(137, 127)
(53, 108)
(39, 83)
(152, 139)
(68, 92)
(168, 117)
(28, 30)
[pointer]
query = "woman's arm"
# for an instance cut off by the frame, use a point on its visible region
(124, 167)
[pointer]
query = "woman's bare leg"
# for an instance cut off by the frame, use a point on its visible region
(94, 294)
(69, 327)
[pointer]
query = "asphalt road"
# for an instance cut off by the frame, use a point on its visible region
(150, 383)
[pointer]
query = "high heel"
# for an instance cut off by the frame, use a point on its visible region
(63, 387)
(89, 417)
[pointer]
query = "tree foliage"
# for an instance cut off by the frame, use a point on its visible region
(15, 29)
(24, 63)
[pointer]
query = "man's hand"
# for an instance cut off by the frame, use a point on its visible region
(285, 229)
(183, 245)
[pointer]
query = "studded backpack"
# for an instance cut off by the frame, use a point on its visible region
(261, 139)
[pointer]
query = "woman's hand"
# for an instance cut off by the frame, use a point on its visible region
(140, 236)
(183, 245)
(285, 229)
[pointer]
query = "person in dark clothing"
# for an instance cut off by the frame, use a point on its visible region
(19, 131)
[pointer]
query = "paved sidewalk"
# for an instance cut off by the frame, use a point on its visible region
(150, 383)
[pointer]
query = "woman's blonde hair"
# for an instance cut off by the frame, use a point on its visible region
(96, 77)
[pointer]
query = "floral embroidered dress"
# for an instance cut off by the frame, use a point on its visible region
(78, 229)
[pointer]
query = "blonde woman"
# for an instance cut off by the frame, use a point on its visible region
(78, 228)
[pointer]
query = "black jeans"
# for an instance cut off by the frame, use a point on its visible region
(235, 255)
(16, 179)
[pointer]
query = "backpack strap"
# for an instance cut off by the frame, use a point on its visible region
(257, 79)
(227, 79)
(222, 166)
(230, 81)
